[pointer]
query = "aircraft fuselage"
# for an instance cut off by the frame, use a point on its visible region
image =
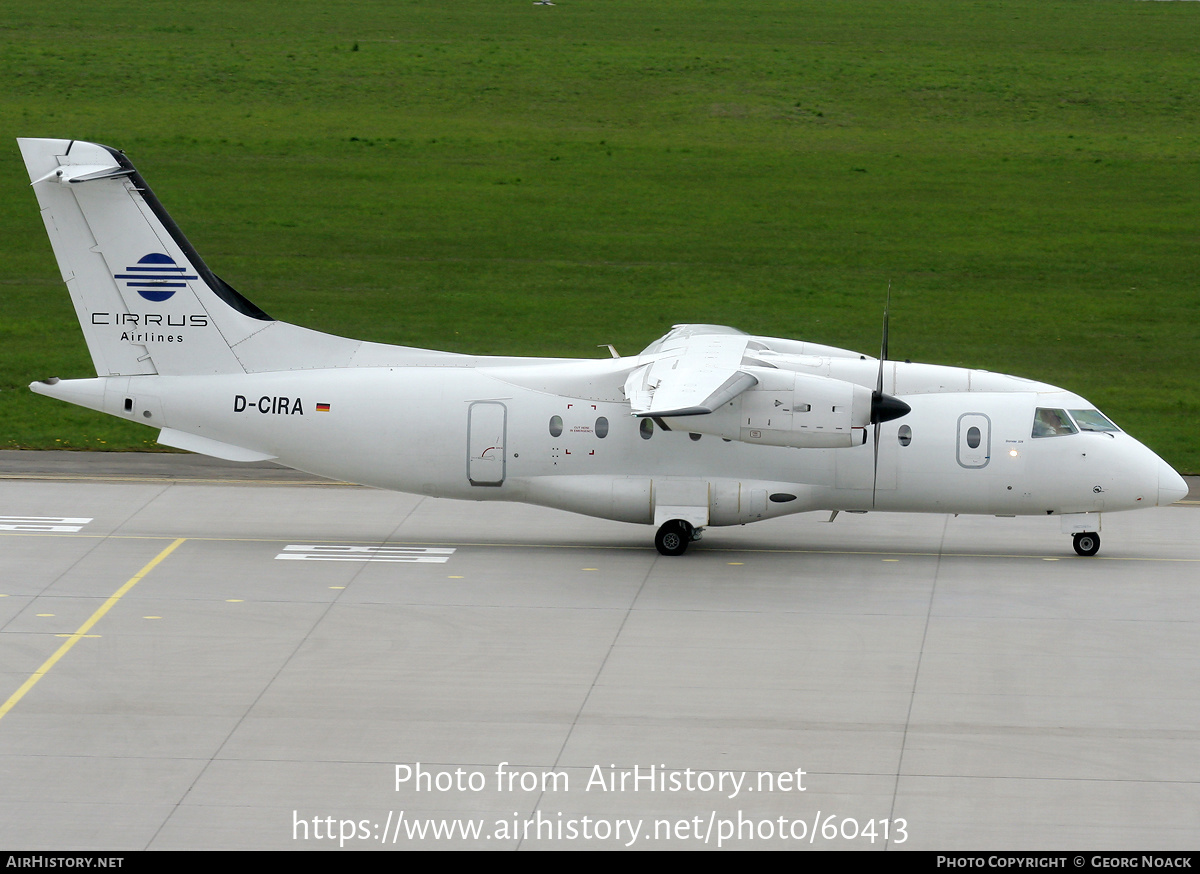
(516, 433)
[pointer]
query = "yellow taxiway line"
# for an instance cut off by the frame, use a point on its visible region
(86, 627)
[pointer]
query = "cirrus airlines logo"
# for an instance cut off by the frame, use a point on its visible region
(155, 277)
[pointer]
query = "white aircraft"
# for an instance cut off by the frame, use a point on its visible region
(706, 427)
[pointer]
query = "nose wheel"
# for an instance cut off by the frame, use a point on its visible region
(673, 537)
(1086, 543)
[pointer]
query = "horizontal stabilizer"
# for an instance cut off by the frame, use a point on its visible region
(85, 173)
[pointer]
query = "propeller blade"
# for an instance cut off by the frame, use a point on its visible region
(875, 475)
(884, 408)
(883, 350)
(877, 395)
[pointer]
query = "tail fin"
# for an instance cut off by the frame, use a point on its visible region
(146, 301)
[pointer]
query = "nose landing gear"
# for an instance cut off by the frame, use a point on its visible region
(1086, 542)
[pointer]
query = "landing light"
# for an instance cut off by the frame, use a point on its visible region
(1013, 453)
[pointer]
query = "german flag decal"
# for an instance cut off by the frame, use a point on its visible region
(322, 408)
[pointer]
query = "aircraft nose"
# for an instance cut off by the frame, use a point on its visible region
(1171, 486)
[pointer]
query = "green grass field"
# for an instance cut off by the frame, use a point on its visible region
(497, 177)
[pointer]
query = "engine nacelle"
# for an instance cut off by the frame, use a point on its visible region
(789, 409)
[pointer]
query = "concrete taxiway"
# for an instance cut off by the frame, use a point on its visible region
(199, 655)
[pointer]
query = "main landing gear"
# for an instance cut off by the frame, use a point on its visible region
(674, 536)
(1086, 543)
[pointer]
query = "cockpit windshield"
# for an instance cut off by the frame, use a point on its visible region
(1052, 423)
(1092, 420)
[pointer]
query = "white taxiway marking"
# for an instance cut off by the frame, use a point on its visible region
(428, 554)
(42, 523)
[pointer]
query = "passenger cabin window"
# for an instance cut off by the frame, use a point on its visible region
(1051, 423)
(1092, 420)
(556, 426)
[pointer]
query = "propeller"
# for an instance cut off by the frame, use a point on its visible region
(884, 408)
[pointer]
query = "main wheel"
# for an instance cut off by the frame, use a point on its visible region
(673, 537)
(1087, 543)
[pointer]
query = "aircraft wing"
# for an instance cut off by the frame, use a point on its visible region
(691, 374)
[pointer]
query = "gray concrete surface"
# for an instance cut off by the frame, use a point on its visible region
(969, 676)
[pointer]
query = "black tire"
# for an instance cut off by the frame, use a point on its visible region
(1087, 543)
(673, 537)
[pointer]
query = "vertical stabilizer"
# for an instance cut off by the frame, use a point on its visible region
(146, 301)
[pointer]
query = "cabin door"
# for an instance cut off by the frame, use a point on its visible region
(487, 424)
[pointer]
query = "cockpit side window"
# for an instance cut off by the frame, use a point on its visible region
(1051, 423)
(1092, 420)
